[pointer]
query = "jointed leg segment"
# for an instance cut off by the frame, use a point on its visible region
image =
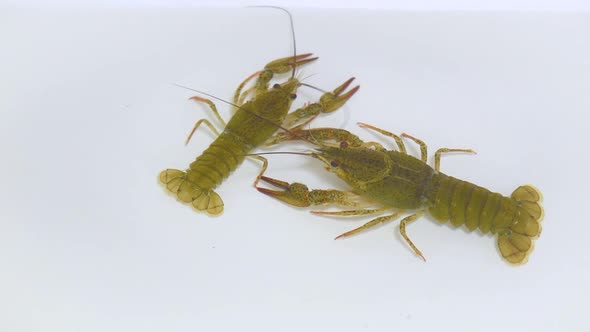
(197, 125)
(211, 105)
(205, 121)
(238, 95)
(402, 229)
(372, 223)
(397, 139)
(345, 213)
(445, 150)
(423, 148)
(264, 167)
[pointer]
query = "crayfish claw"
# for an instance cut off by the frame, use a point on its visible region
(283, 65)
(296, 194)
(343, 86)
(275, 182)
(332, 101)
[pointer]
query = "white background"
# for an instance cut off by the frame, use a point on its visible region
(89, 116)
(415, 5)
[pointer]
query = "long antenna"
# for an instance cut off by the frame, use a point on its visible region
(313, 87)
(292, 30)
(234, 105)
(245, 110)
(207, 94)
(278, 152)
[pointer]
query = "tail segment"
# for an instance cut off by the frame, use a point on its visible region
(186, 191)
(517, 242)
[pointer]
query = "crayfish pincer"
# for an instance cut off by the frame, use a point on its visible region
(388, 180)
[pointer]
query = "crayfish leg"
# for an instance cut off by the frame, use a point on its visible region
(372, 223)
(396, 138)
(402, 230)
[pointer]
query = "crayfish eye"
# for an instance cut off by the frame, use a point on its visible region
(293, 96)
(276, 86)
(334, 163)
(343, 144)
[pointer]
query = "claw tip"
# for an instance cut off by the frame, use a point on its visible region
(263, 190)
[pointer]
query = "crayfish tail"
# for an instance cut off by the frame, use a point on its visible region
(209, 202)
(177, 183)
(516, 243)
(172, 179)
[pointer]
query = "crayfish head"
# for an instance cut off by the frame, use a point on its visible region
(290, 86)
(355, 165)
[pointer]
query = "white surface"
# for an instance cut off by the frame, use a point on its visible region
(89, 116)
(420, 5)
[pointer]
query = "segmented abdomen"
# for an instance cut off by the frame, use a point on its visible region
(196, 184)
(514, 219)
(464, 203)
(216, 163)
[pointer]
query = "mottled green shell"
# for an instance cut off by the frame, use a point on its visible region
(404, 186)
(464, 203)
(253, 123)
(401, 181)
